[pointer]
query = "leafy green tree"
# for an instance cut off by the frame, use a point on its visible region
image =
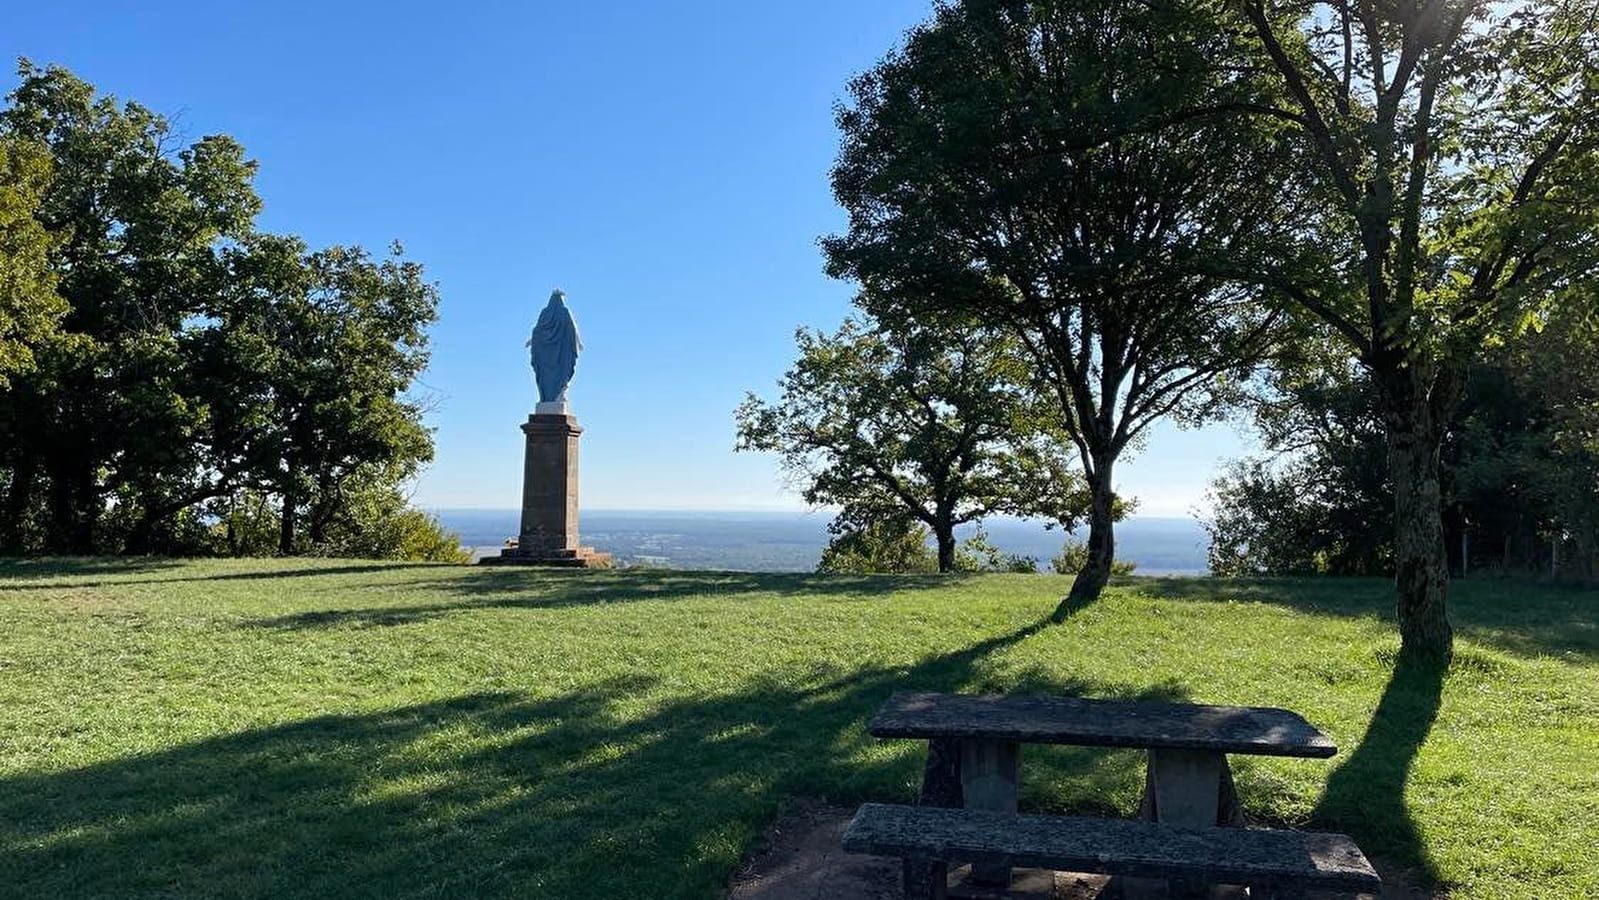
(1039, 165)
(30, 308)
(1451, 170)
(326, 344)
(199, 364)
(1319, 501)
(894, 544)
(1521, 475)
(102, 414)
(376, 521)
(940, 425)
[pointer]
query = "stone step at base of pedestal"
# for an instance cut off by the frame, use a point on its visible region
(566, 557)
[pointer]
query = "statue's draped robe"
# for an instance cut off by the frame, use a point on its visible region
(555, 346)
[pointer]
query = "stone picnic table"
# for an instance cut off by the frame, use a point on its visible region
(974, 748)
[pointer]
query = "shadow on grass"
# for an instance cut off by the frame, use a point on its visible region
(71, 566)
(1365, 796)
(554, 589)
(606, 791)
(1525, 619)
(54, 568)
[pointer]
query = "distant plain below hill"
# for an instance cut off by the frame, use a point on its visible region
(793, 541)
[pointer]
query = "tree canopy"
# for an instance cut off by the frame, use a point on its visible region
(1041, 167)
(165, 361)
(1449, 176)
(916, 425)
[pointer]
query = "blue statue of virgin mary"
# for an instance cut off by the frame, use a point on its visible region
(555, 346)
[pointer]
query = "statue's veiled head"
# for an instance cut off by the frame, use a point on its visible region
(557, 296)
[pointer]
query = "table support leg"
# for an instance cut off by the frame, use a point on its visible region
(941, 778)
(1182, 787)
(925, 880)
(989, 776)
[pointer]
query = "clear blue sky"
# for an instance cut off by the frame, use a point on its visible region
(665, 163)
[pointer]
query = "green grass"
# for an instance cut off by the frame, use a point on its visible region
(343, 729)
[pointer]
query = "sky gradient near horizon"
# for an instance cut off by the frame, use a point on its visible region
(665, 164)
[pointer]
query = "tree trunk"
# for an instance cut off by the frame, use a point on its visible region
(61, 520)
(944, 534)
(286, 519)
(19, 498)
(1094, 575)
(1415, 441)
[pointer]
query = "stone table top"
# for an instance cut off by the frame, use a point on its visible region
(1264, 731)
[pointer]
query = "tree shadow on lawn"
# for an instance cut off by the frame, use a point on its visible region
(1365, 795)
(56, 568)
(1525, 619)
(489, 794)
(555, 589)
(30, 567)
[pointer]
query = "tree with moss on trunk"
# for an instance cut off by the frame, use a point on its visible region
(1034, 165)
(914, 426)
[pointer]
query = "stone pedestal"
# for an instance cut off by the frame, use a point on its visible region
(549, 498)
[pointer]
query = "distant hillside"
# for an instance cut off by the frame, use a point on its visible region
(793, 541)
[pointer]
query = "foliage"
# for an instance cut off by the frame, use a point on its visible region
(198, 362)
(1452, 156)
(376, 521)
(978, 554)
(214, 719)
(1074, 556)
(327, 342)
(939, 425)
(29, 306)
(888, 544)
(1520, 464)
(1033, 165)
(1320, 501)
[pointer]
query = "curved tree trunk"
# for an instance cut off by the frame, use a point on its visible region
(1095, 574)
(1421, 558)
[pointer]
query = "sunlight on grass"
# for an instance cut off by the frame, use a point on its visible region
(350, 729)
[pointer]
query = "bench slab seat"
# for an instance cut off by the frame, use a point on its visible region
(1276, 860)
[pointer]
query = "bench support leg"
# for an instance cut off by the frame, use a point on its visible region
(989, 778)
(925, 880)
(941, 786)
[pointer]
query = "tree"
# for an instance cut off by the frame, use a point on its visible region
(30, 308)
(1452, 174)
(325, 345)
(199, 366)
(1520, 461)
(1319, 501)
(1038, 165)
(893, 544)
(934, 426)
(102, 414)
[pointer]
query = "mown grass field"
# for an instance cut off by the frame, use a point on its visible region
(346, 729)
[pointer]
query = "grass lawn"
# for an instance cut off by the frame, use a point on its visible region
(341, 729)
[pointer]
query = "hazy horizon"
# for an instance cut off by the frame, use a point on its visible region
(788, 541)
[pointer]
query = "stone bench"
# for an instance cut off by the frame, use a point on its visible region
(974, 750)
(1274, 864)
